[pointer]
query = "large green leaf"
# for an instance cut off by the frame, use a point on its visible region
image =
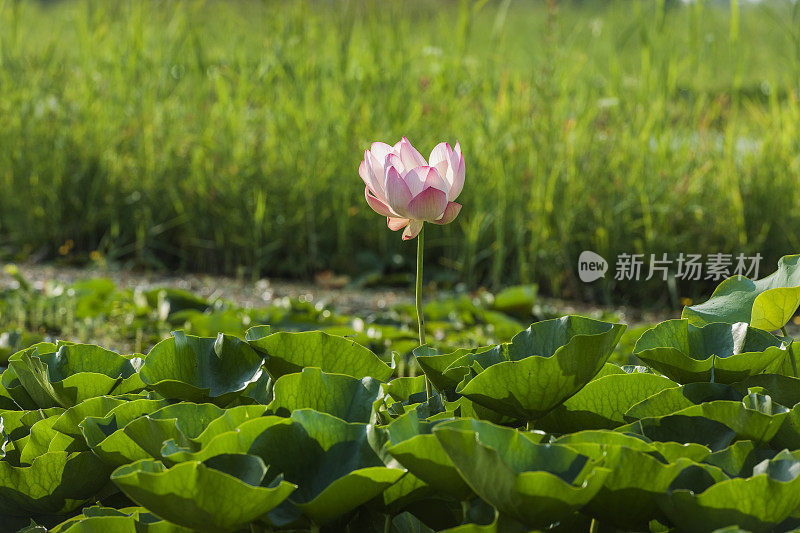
(138, 429)
(676, 399)
(783, 389)
(6, 399)
(627, 499)
(11, 388)
(756, 504)
(683, 429)
(340, 395)
(537, 484)
(641, 470)
(788, 436)
(218, 440)
(222, 494)
(43, 471)
(667, 452)
(68, 374)
(767, 304)
(502, 524)
(396, 395)
(715, 424)
(43, 438)
(201, 369)
(69, 422)
(288, 353)
(602, 402)
(98, 519)
(755, 418)
(336, 464)
(739, 459)
(687, 353)
(56, 482)
(402, 395)
(540, 368)
(412, 443)
(435, 365)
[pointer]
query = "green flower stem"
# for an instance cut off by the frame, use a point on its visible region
(791, 351)
(420, 317)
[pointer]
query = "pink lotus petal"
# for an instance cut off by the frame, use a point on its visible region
(458, 181)
(397, 193)
(450, 213)
(396, 223)
(377, 205)
(362, 171)
(393, 160)
(411, 157)
(415, 179)
(458, 167)
(367, 171)
(434, 179)
(428, 205)
(420, 178)
(412, 230)
(380, 150)
(440, 158)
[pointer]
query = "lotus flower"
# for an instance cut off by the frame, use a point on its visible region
(408, 190)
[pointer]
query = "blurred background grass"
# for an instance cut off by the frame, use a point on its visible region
(225, 136)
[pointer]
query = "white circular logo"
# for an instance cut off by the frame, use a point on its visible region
(591, 266)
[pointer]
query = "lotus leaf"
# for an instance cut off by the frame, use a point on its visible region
(676, 399)
(340, 395)
(537, 484)
(68, 374)
(627, 499)
(337, 465)
(602, 402)
(435, 365)
(223, 493)
(739, 459)
(69, 422)
(138, 429)
(755, 418)
(756, 503)
(109, 520)
(11, 389)
(686, 353)
(766, 304)
(412, 443)
(684, 430)
(716, 424)
(783, 389)
(668, 452)
(288, 353)
(540, 368)
(38, 478)
(201, 369)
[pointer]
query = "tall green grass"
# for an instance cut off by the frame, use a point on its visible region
(226, 136)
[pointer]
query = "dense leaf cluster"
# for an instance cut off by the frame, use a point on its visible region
(308, 430)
